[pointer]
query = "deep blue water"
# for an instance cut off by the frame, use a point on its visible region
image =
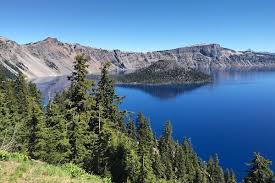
(233, 117)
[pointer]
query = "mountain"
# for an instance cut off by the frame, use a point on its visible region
(164, 72)
(51, 57)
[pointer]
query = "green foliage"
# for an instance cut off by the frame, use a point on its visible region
(215, 171)
(57, 148)
(167, 151)
(5, 73)
(107, 102)
(229, 176)
(17, 168)
(6, 156)
(164, 72)
(78, 114)
(83, 130)
(259, 170)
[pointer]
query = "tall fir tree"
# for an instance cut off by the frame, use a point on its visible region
(131, 129)
(167, 150)
(230, 176)
(259, 170)
(36, 131)
(190, 160)
(215, 171)
(23, 109)
(78, 111)
(107, 101)
(8, 127)
(146, 143)
(57, 147)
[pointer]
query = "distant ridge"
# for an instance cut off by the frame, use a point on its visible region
(51, 57)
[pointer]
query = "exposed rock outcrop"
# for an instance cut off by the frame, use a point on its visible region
(51, 57)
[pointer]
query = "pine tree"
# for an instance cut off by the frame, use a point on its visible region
(229, 176)
(35, 93)
(78, 111)
(167, 150)
(21, 94)
(36, 131)
(179, 163)
(158, 167)
(201, 175)
(215, 171)
(8, 128)
(57, 147)
(107, 101)
(23, 109)
(131, 130)
(146, 142)
(101, 155)
(259, 170)
(190, 160)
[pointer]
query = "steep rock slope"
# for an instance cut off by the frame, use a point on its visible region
(51, 57)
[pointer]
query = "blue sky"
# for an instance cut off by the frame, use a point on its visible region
(142, 25)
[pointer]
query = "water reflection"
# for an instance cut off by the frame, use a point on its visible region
(164, 91)
(51, 85)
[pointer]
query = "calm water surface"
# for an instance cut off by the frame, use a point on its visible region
(233, 117)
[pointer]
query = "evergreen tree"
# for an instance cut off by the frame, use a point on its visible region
(146, 142)
(229, 176)
(215, 171)
(22, 94)
(8, 128)
(35, 93)
(167, 150)
(179, 163)
(131, 130)
(78, 111)
(107, 101)
(23, 109)
(158, 167)
(190, 160)
(36, 131)
(57, 147)
(259, 170)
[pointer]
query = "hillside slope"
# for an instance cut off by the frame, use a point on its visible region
(15, 167)
(51, 57)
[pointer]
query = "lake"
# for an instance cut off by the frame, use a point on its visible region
(233, 117)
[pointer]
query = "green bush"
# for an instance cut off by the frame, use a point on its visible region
(19, 157)
(73, 170)
(4, 155)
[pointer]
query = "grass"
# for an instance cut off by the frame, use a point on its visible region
(17, 168)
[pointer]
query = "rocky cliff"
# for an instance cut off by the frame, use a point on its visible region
(51, 57)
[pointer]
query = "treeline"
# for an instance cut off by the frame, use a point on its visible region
(84, 126)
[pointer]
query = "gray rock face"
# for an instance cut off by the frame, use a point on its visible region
(51, 57)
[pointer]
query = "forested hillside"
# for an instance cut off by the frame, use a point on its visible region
(164, 72)
(84, 126)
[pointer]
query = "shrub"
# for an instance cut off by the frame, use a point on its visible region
(74, 170)
(4, 155)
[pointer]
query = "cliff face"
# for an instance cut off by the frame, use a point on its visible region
(51, 57)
